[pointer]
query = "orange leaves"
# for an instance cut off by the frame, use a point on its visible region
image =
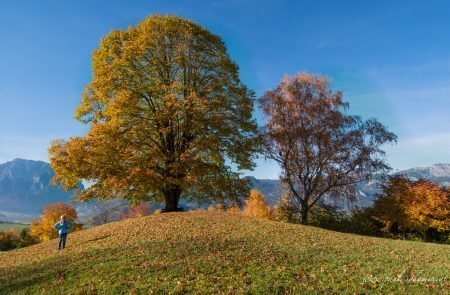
(413, 205)
(429, 206)
(43, 228)
(139, 210)
(256, 205)
(234, 209)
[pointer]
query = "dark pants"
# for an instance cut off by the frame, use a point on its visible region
(62, 241)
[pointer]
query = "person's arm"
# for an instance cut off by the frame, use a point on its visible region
(57, 225)
(69, 224)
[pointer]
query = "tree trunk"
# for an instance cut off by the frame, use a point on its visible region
(394, 228)
(304, 214)
(428, 235)
(172, 196)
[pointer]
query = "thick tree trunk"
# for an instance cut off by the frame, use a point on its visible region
(428, 235)
(304, 214)
(172, 196)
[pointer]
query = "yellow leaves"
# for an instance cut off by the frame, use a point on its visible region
(234, 209)
(256, 205)
(43, 228)
(419, 205)
(166, 108)
(429, 206)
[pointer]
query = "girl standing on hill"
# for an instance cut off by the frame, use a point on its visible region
(63, 227)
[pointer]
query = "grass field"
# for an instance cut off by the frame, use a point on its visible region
(213, 252)
(7, 226)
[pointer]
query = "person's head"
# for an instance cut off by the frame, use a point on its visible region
(63, 218)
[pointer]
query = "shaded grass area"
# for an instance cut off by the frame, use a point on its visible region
(213, 252)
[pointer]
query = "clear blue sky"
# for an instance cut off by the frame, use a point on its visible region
(391, 59)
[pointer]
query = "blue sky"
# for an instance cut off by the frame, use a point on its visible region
(390, 58)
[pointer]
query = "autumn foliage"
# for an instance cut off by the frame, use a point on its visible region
(322, 150)
(141, 209)
(167, 116)
(43, 228)
(256, 205)
(407, 205)
(234, 209)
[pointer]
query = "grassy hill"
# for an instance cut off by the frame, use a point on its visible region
(205, 252)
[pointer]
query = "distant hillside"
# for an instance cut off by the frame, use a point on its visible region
(203, 252)
(25, 187)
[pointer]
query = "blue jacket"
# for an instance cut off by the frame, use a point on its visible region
(63, 228)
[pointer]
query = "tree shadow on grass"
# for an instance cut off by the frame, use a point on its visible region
(18, 278)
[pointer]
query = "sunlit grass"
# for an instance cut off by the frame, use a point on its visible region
(205, 252)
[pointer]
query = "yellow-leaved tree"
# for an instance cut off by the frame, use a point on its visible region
(429, 206)
(256, 205)
(43, 228)
(168, 117)
(405, 205)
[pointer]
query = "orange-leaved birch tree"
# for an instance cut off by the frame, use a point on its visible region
(321, 149)
(168, 118)
(406, 205)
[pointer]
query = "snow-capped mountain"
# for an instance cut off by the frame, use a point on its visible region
(438, 172)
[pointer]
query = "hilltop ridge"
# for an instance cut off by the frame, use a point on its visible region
(215, 252)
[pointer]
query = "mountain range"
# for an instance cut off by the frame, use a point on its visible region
(439, 173)
(25, 187)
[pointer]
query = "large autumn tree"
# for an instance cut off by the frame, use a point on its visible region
(323, 151)
(168, 117)
(420, 206)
